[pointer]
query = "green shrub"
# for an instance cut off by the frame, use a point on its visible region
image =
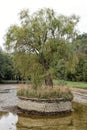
(46, 92)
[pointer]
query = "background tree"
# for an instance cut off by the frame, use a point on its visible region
(41, 43)
(6, 67)
(80, 48)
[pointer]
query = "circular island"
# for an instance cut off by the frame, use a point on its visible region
(58, 101)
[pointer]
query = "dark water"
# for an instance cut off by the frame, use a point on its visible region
(75, 121)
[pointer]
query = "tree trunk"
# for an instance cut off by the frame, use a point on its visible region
(48, 81)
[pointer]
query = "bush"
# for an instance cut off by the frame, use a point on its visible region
(45, 92)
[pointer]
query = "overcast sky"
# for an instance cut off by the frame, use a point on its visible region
(9, 10)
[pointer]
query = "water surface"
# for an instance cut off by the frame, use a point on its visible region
(8, 121)
(11, 121)
(75, 121)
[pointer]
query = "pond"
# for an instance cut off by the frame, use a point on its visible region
(77, 120)
(8, 121)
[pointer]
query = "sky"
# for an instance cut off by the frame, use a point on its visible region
(9, 10)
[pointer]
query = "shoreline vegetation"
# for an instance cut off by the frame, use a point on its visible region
(45, 92)
(44, 100)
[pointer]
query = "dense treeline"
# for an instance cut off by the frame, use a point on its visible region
(47, 46)
(7, 68)
(80, 48)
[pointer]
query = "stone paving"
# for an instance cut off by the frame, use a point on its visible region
(8, 96)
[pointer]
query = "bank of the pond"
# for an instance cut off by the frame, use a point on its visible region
(44, 100)
(80, 95)
(13, 81)
(44, 106)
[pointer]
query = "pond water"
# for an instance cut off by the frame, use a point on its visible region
(77, 120)
(8, 121)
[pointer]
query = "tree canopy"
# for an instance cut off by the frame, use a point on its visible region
(42, 45)
(80, 48)
(6, 67)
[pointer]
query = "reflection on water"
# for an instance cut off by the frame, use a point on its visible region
(8, 121)
(75, 121)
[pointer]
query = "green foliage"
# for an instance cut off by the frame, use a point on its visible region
(80, 48)
(6, 67)
(46, 93)
(41, 45)
(81, 72)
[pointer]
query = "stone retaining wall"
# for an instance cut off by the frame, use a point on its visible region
(44, 106)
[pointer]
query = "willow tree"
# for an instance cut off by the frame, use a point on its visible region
(40, 42)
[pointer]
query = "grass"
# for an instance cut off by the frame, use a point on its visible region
(71, 84)
(45, 92)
